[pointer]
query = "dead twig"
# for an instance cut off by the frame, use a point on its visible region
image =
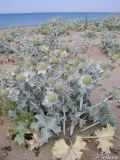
(92, 125)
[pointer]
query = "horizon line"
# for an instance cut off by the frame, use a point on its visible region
(61, 12)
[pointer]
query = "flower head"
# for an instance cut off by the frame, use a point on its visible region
(44, 48)
(87, 80)
(50, 99)
(104, 64)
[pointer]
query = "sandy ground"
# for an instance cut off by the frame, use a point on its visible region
(11, 151)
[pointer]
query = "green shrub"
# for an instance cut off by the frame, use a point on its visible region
(89, 34)
(78, 24)
(109, 44)
(6, 47)
(110, 23)
(5, 103)
(56, 26)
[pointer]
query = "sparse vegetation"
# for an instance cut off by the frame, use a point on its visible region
(110, 44)
(49, 92)
(89, 34)
(111, 23)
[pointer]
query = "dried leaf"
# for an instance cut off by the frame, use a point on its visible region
(65, 152)
(79, 143)
(60, 148)
(34, 143)
(105, 137)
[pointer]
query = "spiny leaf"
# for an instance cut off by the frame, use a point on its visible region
(47, 124)
(19, 138)
(45, 135)
(105, 116)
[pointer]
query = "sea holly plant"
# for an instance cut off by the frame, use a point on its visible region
(89, 35)
(58, 26)
(111, 23)
(6, 47)
(51, 91)
(110, 45)
(78, 24)
(48, 93)
(80, 46)
(55, 92)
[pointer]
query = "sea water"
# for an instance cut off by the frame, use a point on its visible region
(22, 19)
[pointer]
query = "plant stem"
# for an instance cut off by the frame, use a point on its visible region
(64, 122)
(95, 124)
(81, 103)
(58, 77)
(72, 128)
(102, 102)
(94, 137)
